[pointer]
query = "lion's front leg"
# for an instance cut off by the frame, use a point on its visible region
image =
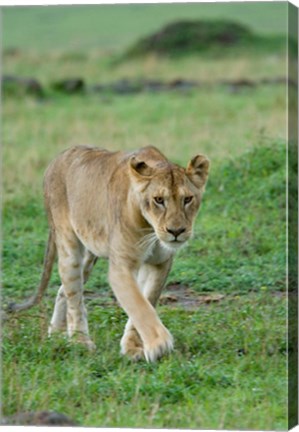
(155, 337)
(150, 281)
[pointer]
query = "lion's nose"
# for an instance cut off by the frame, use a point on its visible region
(176, 232)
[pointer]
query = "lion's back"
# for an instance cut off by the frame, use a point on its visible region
(76, 183)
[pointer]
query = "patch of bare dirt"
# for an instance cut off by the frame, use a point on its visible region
(178, 295)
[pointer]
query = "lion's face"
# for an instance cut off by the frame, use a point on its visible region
(170, 196)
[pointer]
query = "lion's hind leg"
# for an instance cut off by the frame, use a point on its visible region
(59, 318)
(58, 321)
(69, 308)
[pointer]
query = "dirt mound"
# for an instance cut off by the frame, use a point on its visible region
(191, 36)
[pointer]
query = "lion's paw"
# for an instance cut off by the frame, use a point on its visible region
(159, 346)
(52, 329)
(83, 339)
(131, 345)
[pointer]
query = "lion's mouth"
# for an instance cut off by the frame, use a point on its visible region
(176, 241)
(173, 245)
(171, 242)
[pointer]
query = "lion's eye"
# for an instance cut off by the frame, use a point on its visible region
(188, 200)
(159, 200)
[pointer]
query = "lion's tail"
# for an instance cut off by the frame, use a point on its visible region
(47, 270)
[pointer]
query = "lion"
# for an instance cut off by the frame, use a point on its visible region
(135, 208)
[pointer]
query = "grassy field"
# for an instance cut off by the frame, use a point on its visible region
(89, 27)
(228, 369)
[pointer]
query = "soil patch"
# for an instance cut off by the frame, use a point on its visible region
(178, 295)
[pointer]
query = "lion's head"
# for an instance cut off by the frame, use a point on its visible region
(169, 195)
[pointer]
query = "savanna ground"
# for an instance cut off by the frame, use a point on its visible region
(228, 369)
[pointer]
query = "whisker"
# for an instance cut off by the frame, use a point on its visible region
(147, 241)
(145, 237)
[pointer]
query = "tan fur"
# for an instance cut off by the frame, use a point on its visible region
(132, 208)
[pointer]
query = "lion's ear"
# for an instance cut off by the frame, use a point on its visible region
(198, 170)
(140, 168)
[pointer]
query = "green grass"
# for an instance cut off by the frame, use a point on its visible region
(217, 123)
(228, 366)
(95, 67)
(85, 27)
(228, 369)
(79, 42)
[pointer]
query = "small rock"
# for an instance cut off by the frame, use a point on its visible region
(39, 418)
(16, 85)
(181, 84)
(125, 86)
(154, 86)
(69, 86)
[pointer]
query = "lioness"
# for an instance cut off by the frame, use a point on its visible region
(137, 209)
